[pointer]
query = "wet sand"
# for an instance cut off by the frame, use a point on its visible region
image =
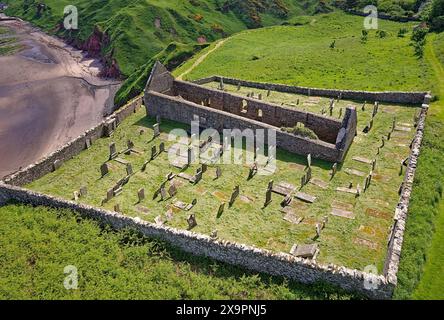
(50, 93)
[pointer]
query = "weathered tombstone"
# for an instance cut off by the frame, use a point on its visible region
(268, 197)
(104, 170)
(234, 195)
(162, 147)
(129, 169)
(270, 185)
(318, 230)
(297, 102)
(363, 106)
(110, 194)
(130, 144)
(303, 181)
(213, 234)
(358, 190)
(172, 191)
(308, 175)
(401, 169)
(340, 113)
(287, 200)
(156, 129)
(191, 221)
(57, 164)
(268, 92)
(238, 86)
(221, 84)
(190, 156)
(260, 96)
(117, 208)
(76, 195)
(204, 168)
(218, 172)
(153, 152)
(163, 193)
(221, 210)
(334, 169)
(309, 160)
(141, 195)
(374, 165)
(83, 191)
(88, 143)
(112, 151)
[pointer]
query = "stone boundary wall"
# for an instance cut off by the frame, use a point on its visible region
(386, 96)
(397, 234)
(177, 109)
(72, 148)
(252, 258)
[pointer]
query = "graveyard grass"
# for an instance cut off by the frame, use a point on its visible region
(354, 243)
(119, 265)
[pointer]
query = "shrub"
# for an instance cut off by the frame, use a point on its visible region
(300, 130)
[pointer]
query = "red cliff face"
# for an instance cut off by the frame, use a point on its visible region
(94, 43)
(111, 70)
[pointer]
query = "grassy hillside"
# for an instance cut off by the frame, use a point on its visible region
(319, 53)
(118, 265)
(128, 34)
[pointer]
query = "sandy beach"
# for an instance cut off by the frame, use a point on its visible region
(50, 93)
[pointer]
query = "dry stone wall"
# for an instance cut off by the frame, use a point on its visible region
(278, 264)
(386, 96)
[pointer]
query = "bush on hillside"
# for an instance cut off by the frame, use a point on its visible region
(301, 130)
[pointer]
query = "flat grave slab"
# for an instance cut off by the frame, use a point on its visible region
(347, 190)
(364, 242)
(304, 250)
(342, 213)
(355, 172)
(319, 183)
(363, 160)
(291, 216)
(378, 213)
(283, 188)
(305, 197)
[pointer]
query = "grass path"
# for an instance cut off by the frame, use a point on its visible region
(202, 58)
(432, 282)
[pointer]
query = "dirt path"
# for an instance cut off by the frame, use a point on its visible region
(202, 58)
(50, 93)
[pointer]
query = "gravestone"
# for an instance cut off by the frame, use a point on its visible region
(318, 230)
(172, 191)
(234, 195)
(156, 129)
(163, 193)
(363, 106)
(110, 194)
(57, 164)
(204, 168)
(162, 147)
(213, 235)
(340, 113)
(268, 197)
(260, 96)
(268, 92)
(198, 177)
(287, 200)
(117, 208)
(238, 86)
(389, 136)
(83, 191)
(159, 221)
(141, 194)
(112, 151)
(88, 143)
(130, 144)
(308, 175)
(303, 181)
(104, 170)
(309, 160)
(153, 152)
(382, 142)
(358, 190)
(304, 251)
(218, 172)
(191, 221)
(129, 169)
(374, 165)
(334, 170)
(221, 209)
(170, 176)
(158, 119)
(76, 196)
(270, 185)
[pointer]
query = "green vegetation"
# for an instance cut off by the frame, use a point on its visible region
(8, 43)
(397, 9)
(300, 130)
(303, 56)
(354, 243)
(421, 269)
(38, 243)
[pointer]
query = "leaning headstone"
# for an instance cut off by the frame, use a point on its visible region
(88, 143)
(268, 92)
(162, 147)
(309, 160)
(156, 129)
(270, 185)
(112, 151)
(163, 193)
(172, 191)
(363, 106)
(204, 168)
(109, 194)
(303, 181)
(374, 165)
(268, 197)
(191, 221)
(334, 170)
(287, 200)
(234, 195)
(141, 194)
(221, 209)
(57, 164)
(153, 152)
(218, 172)
(104, 170)
(129, 169)
(308, 175)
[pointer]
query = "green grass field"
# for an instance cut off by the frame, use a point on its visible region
(119, 265)
(302, 56)
(354, 243)
(389, 65)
